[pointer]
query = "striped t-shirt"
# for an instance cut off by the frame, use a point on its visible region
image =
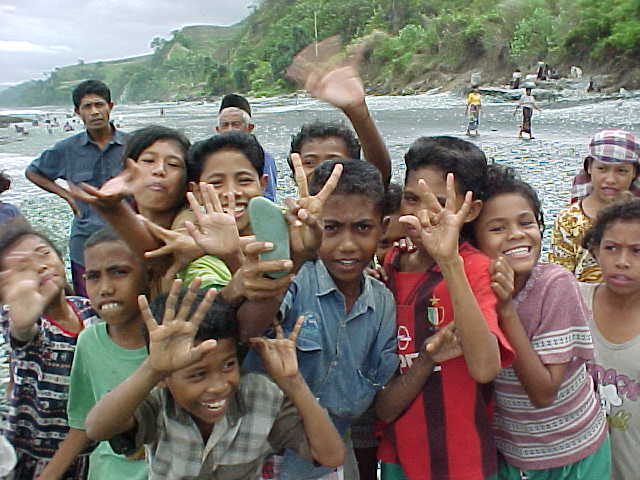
(37, 421)
(554, 317)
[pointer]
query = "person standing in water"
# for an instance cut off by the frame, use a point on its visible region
(473, 110)
(527, 102)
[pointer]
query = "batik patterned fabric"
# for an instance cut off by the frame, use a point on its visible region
(41, 368)
(573, 427)
(566, 244)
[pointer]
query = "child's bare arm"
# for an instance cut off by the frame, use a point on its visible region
(170, 348)
(398, 394)
(339, 84)
(440, 230)
(281, 363)
(73, 445)
(540, 381)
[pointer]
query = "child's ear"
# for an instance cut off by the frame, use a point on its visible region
(263, 181)
(386, 221)
(474, 212)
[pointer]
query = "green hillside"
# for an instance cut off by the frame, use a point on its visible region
(411, 45)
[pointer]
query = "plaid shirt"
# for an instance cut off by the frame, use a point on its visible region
(259, 421)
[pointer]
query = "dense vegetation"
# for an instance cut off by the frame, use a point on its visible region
(411, 44)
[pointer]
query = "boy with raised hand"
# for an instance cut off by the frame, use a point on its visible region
(207, 420)
(437, 409)
(346, 346)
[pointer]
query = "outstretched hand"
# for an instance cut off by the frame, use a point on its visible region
(279, 354)
(444, 345)
(439, 227)
(171, 344)
(327, 75)
(303, 214)
(22, 292)
(112, 192)
(216, 231)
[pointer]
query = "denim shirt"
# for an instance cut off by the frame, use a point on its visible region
(271, 171)
(345, 357)
(79, 159)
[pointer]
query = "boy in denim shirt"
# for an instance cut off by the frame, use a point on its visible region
(346, 347)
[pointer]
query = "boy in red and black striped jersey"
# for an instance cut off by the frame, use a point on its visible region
(438, 409)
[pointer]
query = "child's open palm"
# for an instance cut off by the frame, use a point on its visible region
(216, 231)
(171, 345)
(440, 226)
(22, 292)
(279, 354)
(444, 345)
(112, 191)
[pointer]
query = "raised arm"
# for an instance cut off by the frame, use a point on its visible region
(281, 363)
(440, 231)
(341, 86)
(540, 381)
(171, 348)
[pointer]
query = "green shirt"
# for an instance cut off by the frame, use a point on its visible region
(209, 269)
(100, 365)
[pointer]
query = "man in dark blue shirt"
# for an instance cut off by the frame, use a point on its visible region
(93, 157)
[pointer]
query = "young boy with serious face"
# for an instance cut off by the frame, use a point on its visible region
(208, 420)
(449, 341)
(108, 352)
(346, 346)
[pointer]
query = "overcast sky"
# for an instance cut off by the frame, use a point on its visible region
(38, 35)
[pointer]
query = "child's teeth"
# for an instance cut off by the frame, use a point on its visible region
(517, 251)
(215, 405)
(109, 306)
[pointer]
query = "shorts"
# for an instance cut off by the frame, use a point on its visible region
(595, 466)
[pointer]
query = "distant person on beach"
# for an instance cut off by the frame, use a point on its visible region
(473, 110)
(515, 79)
(8, 211)
(235, 115)
(92, 157)
(612, 166)
(527, 102)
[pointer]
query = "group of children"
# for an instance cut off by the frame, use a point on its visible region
(473, 360)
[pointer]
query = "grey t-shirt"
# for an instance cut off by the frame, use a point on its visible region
(616, 372)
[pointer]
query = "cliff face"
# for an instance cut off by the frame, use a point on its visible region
(412, 45)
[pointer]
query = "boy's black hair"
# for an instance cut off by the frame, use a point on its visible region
(628, 211)
(143, 138)
(104, 235)
(216, 324)
(245, 143)
(358, 178)
(450, 154)
(13, 232)
(392, 199)
(318, 129)
(501, 180)
(5, 182)
(88, 87)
